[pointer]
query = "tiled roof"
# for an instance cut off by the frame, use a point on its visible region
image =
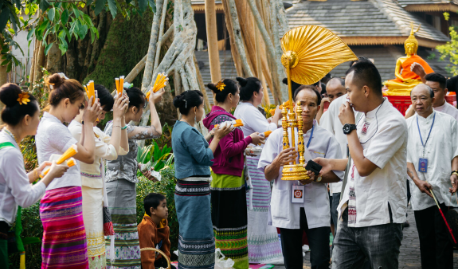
(372, 18)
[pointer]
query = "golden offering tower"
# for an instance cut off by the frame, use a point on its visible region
(309, 53)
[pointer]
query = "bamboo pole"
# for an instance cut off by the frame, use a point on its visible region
(212, 40)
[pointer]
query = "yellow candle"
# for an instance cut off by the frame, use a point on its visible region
(70, 152)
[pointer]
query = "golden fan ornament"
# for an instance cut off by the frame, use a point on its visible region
(309, 53)
(314, 51)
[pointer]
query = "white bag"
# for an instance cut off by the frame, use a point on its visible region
(221, 262)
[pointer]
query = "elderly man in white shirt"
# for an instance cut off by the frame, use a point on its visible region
(432, 154)
(373, 205)
(438, 84)
(330, 121)
(311, 213)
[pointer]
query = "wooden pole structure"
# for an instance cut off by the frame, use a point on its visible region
(212, 40)
(257, 43)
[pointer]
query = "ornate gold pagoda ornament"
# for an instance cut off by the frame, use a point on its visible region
(309, 53)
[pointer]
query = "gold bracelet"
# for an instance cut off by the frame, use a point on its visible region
(455, 173)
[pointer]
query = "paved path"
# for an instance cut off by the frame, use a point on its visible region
(409, 258)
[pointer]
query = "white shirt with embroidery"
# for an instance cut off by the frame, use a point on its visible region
(441, 148)
(385, 145)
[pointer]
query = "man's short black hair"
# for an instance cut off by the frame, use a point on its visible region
(360, 59)
(435, 77)
(152, 200)
(308, 87)
(366, 74)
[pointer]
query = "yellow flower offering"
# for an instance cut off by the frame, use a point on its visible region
(161, 82)
(91, 91)
(68, 154)
(267, 133)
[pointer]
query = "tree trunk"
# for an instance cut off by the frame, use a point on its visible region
(212, 40)
(54, 63)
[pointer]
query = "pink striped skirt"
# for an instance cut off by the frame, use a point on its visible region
(64, 237)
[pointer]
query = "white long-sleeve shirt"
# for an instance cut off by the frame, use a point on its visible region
(441, 148)
(253, 120)
(15, 188)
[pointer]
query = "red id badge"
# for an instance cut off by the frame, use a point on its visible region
(423, 165)
(297, 194)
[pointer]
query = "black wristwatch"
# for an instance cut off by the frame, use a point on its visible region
(348, 128)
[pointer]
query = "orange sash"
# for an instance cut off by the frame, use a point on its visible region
(406, 73)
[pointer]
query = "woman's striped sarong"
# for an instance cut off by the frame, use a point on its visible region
(229, 216)
(64, 238)
(122, 206)
(196, 245)
(263, 243)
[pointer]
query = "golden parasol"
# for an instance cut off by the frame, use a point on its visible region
(309, 53)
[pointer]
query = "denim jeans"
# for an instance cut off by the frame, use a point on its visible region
(378, 244)
(334, 204)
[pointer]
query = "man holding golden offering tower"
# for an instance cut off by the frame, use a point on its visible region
(299, 197)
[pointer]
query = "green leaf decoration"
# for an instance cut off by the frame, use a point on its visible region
(51, 14)
(112, 7)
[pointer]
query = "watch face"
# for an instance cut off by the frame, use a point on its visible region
(346, 128)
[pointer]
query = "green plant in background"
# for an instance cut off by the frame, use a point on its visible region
(153, 157)
(449, 51)
(267, 110)
(165, 187)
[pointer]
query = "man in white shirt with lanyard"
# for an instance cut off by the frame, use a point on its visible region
(309, 211)
(432, 154)
(438, 84)
(373, 205)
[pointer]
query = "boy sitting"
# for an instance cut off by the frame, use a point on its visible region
(153, 231)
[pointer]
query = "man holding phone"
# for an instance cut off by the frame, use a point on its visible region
(373, 205)
(302, 205)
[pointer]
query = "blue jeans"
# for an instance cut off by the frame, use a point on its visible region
(378, 244)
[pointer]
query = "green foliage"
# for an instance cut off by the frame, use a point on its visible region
(126, 44)
(449, 51)
(32, 227)
(166, 187)
(155, 157)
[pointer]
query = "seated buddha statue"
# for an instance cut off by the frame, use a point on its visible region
(406, 79)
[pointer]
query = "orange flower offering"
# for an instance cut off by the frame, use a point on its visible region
(234, 123)
(71, 162)
(91, 91)
(69, 153)
(267, 133)
(161, 82)
(118, 86)
(23, 98)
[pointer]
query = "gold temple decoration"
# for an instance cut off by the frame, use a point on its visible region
(309, 53)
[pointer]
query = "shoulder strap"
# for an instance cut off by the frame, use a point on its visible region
(6, 144)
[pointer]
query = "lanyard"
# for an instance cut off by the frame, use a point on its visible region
(310, 138)
(419, 132)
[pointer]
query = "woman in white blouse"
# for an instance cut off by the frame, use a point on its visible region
(64, 237)
(21, 115)
(92, 175)
(263, 243)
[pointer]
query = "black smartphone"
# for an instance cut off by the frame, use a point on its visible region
(313, 166)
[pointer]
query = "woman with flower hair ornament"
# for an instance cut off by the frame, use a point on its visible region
(228, 191)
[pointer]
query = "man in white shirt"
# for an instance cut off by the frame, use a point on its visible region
(330, 121)
(432, 154)
(373, 205)
(438, 84)
(310, 212)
